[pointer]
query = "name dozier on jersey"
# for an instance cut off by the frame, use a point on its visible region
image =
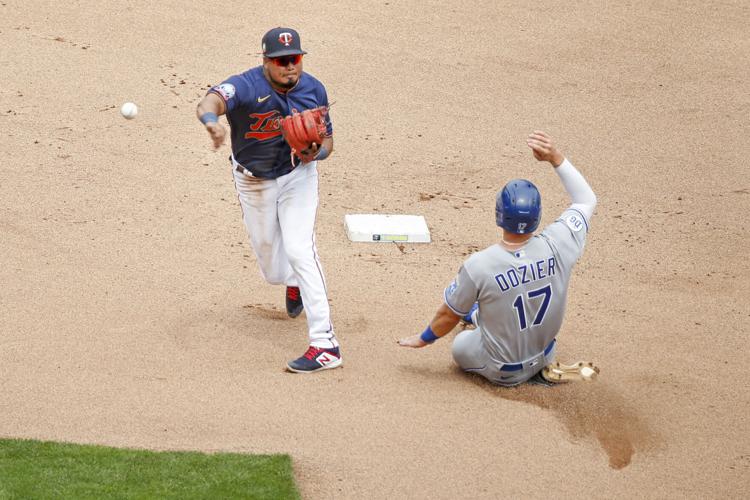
(525, 273)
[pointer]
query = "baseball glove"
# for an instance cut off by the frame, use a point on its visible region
(300, 130)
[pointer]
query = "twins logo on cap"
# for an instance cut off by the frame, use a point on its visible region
(286, 38)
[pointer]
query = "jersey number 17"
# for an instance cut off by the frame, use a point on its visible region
(532, 294)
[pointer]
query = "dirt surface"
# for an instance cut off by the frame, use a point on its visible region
(133, 313)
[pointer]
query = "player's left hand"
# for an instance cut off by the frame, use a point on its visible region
(413, 341)
(309, 154)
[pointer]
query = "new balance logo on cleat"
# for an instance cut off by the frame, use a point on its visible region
(316, 359)
(326, 359)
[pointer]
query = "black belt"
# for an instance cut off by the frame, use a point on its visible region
(514, 367)
(239, 168)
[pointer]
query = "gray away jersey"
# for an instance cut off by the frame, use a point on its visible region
(521, 293)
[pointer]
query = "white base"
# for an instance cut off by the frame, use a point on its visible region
(386, 228)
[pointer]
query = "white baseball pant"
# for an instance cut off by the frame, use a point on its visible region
(279, 215)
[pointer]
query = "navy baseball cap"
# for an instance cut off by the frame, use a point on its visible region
(281, 42)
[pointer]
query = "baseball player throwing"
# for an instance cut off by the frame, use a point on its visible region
(515, 291)
(278, 187)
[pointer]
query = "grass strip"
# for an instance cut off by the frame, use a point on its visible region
(42, 469)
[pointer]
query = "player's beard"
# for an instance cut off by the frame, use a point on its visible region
(287, 83)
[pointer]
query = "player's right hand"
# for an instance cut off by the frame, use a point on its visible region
(544, 149)
(217, 132)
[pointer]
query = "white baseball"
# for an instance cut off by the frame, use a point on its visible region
(129, 110)
(587, 372)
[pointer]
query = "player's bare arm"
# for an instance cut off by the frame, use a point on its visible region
(444, 321)
(544, 148)
(208, 111)
(328, 144)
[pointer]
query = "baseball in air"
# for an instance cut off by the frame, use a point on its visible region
(129, 110)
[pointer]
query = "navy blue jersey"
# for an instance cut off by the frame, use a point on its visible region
(254, 112)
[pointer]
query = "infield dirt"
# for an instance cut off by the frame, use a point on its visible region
(134, 315)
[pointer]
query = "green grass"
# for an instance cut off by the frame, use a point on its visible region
(34, 469)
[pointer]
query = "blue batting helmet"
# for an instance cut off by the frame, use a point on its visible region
(518, 207)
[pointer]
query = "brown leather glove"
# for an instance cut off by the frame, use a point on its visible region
(301, 130)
